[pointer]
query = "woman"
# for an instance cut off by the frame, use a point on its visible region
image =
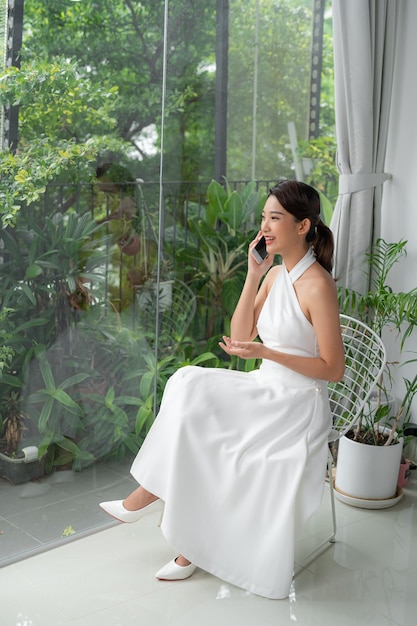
(236, 459)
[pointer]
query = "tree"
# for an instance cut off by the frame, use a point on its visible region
(284, 60)
(90, 89)
(119, 44)
(56, 103)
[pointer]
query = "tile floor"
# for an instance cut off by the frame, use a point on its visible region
(52, 511)
(368, 577)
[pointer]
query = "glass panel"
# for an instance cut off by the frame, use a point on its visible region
(269, 81)
(123, 258)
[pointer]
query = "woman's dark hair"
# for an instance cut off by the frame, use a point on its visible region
(303, 202)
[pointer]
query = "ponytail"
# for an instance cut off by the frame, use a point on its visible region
(323, 246)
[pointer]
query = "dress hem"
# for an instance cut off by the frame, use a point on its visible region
(268, 594)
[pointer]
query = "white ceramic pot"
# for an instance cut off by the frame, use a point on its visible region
(367, 472)
(21, 469)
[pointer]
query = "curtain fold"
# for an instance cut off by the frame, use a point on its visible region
(364, 46)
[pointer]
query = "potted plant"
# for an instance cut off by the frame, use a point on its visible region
(374, 448)
(19, 458)
(50, 275)
(145, 281)
(129, 244)
(129, 240)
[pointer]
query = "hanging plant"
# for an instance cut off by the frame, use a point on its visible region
(129, 245)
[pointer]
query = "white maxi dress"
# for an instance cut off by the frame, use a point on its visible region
(239, 458)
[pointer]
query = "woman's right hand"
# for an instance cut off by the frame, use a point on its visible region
(255, 268)
(243, 323)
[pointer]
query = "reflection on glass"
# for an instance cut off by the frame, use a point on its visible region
(92, 216)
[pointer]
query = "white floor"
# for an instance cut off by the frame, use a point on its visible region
(369, 577)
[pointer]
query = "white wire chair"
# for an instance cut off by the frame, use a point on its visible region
(365, 361)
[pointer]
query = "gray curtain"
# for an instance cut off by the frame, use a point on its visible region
(364, 44)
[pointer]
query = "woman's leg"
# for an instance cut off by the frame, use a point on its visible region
(141, 498)
(181, 560)
(138, 504)
(138, 499)
(177, 569)
(133, 508)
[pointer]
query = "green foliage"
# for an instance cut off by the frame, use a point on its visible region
(47, 262)
(381, 307)
(157, 374)
(6, 351)
(44, 275)
(55, 102)
(71, 100)
(89, 98)
(94, 404)
(218, 247)
(327, 104)
(118, 44)
(26, 174)
(85, 381)
(324, 175)
(385, 311)
(283, 83)
(124, 52)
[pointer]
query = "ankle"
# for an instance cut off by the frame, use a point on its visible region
(135, 502)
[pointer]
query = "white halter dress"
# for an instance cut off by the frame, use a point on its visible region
(239, 458)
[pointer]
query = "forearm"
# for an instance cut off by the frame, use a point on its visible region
(243, 323)
(331, 369)
(313, 367)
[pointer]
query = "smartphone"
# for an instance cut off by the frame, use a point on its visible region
(259, 251)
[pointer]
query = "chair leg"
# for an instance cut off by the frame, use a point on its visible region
(326, 543)
(332, 539)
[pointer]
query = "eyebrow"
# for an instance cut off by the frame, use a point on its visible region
(272, 211)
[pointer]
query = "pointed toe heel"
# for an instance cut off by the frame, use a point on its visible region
(173, 571)
(116, 509)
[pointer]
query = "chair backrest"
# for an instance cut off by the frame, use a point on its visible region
(176, 318)
(177, 307)
(365, 361)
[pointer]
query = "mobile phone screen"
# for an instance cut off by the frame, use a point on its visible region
(259, 251)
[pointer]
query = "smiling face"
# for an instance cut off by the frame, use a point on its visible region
(281, 230)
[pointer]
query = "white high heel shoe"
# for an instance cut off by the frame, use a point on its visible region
(173, 571)
(116, 509)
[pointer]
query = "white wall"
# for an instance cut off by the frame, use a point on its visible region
(399, 204)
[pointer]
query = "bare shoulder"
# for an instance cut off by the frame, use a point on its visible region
(316, 292)
(269, 279)
(272, 274)
(318, 279)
